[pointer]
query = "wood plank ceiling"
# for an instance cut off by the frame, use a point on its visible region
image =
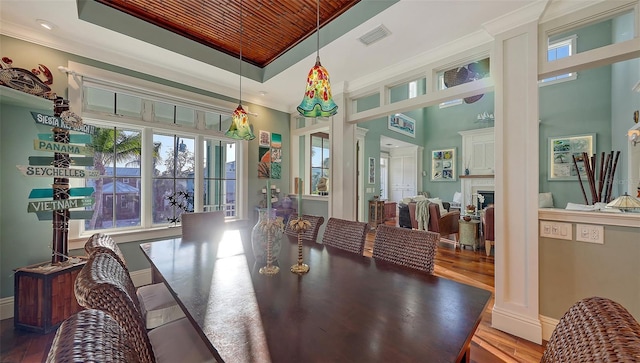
(270, 27)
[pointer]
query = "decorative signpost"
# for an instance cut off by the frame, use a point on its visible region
(62, 144)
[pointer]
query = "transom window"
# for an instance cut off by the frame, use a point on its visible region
(559, 49)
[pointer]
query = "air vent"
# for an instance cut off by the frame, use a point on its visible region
(374, 35)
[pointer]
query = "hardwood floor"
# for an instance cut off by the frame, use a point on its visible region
(476, 269)
(466, 266)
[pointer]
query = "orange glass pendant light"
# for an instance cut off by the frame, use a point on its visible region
(317, 101)
(240, 128)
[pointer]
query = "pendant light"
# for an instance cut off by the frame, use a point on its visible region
(240, 128)
(317, 99)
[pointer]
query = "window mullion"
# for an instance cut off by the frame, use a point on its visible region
(146, 174)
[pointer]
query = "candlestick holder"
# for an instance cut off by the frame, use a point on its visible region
(299, 225)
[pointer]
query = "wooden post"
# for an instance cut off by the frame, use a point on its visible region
(60, 190)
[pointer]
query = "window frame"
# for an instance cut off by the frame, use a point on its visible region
(323, 136)
(570, 41)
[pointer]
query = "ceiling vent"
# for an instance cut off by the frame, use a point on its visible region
(374, 35)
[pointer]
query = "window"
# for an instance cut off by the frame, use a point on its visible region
(447, 103)
(116, 156)
(147, 155)
(560, 49)
(320, 161)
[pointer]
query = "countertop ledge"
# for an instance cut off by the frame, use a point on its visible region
(601, 218)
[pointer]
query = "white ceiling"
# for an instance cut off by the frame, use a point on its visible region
(417, 27)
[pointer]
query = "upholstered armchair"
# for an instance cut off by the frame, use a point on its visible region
(446, 224)
(488, 228)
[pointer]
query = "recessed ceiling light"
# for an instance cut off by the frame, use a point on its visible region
(46, 24)
(263, 93)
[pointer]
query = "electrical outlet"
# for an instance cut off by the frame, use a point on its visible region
(556, 230)
(590, 233)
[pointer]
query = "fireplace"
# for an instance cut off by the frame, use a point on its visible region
(488, 198)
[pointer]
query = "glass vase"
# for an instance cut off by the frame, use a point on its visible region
(268, 224)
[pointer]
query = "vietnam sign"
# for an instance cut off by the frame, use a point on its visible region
(59, 147)
(55, 121)
(51, 205)
(51, 172)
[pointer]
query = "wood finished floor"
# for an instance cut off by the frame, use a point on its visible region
(489, 345)
(477, 269)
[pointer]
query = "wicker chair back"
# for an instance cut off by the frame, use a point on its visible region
(345, 234)
(594, 329)
(311, 234)
(408, 247)
(104, 243)
(105, 285)
(91, 336)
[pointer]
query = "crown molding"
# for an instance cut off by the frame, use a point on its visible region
(516, 18)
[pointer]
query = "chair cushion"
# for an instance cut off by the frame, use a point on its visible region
(178, 341)
(158, 305)
(438, 201)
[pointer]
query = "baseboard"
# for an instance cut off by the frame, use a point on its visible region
(139, 278)
(548, 325)
(518, 325)
(6, 308)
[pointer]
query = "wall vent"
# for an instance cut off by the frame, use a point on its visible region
(374, 35)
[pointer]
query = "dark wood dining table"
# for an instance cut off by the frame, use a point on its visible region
(347, 308)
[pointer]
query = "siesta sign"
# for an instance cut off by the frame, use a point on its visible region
(55, 121)
(51, 205)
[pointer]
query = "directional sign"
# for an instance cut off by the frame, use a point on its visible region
(51, 172)
(59, 147)
(73, 214)
(73, 192)
(49, 205)
(55, 121)
(73, 138)
(48, 160)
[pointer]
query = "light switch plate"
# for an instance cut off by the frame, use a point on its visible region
(590, 233)
(556, 230)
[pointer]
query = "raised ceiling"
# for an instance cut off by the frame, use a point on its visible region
(269, 28)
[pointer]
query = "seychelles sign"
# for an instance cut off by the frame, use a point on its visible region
(55, 121)
(51, 172)
(51, 205)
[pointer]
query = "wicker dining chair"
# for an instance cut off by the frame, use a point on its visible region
(594, 329)
(345, 234)
(156, 302)
(408, 247)
(311, 234)
(105, 285)
(91, 336)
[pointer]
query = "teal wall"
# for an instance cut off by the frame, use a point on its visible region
(23, 239)
(443, 125)
(581, 106)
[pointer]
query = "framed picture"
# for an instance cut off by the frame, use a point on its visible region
(561, 152)
(264, 138)
(402, 124)
(372, 170)
(443, 165)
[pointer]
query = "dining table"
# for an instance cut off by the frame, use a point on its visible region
(347, 308)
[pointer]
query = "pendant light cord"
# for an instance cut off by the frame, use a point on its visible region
(318, 30)
(240, 70)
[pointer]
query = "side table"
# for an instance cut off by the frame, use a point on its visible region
(469, 233)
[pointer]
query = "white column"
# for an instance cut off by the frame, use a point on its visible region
(514, 68)
(343, 184)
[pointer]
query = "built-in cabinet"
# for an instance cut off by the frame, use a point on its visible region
(405, 166)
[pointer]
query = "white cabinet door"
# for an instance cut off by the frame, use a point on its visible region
(402, 177)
